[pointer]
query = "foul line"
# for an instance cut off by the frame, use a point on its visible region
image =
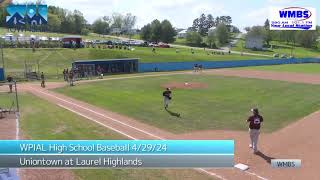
(202, 170)
(87, 117)
(125, 134)
(132, 77)
(254, 174)
(115, 120)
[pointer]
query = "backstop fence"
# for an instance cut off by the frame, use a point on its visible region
(9, 102)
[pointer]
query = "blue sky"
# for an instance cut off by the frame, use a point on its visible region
(182, 12)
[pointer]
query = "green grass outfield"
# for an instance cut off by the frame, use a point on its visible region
(53, 61)
(225, 104)
(41, 120)
(297, 68)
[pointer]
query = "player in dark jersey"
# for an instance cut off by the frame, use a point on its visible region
(10, 81)
(166, 97)
(43, 84)
(254, 128)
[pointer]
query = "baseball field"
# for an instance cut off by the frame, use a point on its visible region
(42, 120)
(213, 104)
(222, 103)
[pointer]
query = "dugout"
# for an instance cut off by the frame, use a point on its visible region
(106, 66)
(2, 78)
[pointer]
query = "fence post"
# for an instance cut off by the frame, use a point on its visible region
(15, 86)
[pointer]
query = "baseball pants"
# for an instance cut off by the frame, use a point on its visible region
(254, 136)
(166, 102)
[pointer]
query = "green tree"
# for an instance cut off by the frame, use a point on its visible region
(201, 25)
(85, 31)
(67, 24)
(117, 20)
(222, 34)
(167, 32)
(79, 22)
(145, 33)
(307, 39)
(54, 22)
(155, 31)
(257, 31)
(194, 38)
(268, 33)
(128, 23)
(211, 39)
(100, 26)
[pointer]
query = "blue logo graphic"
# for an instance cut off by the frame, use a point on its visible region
(20, 15)
(296, 13)
(293, 18)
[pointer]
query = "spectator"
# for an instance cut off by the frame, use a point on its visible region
(64, 75)
(67, 74)
(192, 51)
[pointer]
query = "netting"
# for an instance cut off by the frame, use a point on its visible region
(8, 99)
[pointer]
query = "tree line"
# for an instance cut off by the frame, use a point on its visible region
(117, 24)
(157, 31)
(207, 31)
(307, 39)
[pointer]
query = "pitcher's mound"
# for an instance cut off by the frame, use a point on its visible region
(185, 85)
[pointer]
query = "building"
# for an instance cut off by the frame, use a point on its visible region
(254, 42)
(211, 30)
(71, 41)
(115, 31)
(182, 34)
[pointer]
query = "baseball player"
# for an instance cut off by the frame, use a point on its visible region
(10, 81)
(166, 97)
(43, 85)
(254, 128)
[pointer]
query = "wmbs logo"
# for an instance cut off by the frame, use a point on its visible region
(293, 18)
(296, 13)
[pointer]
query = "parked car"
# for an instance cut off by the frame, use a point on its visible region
(153, 44)
(283, 56)
(9, 37)
(164, 45)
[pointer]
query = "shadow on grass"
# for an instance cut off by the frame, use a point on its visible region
(265, 157)
(173, 113)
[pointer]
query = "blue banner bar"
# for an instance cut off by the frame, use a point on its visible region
(214, 147)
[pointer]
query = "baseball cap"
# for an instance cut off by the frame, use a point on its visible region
(255, 110)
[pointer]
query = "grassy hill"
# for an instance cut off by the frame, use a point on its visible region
(53, 61)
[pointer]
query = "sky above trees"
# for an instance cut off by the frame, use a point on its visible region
(181, 13)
